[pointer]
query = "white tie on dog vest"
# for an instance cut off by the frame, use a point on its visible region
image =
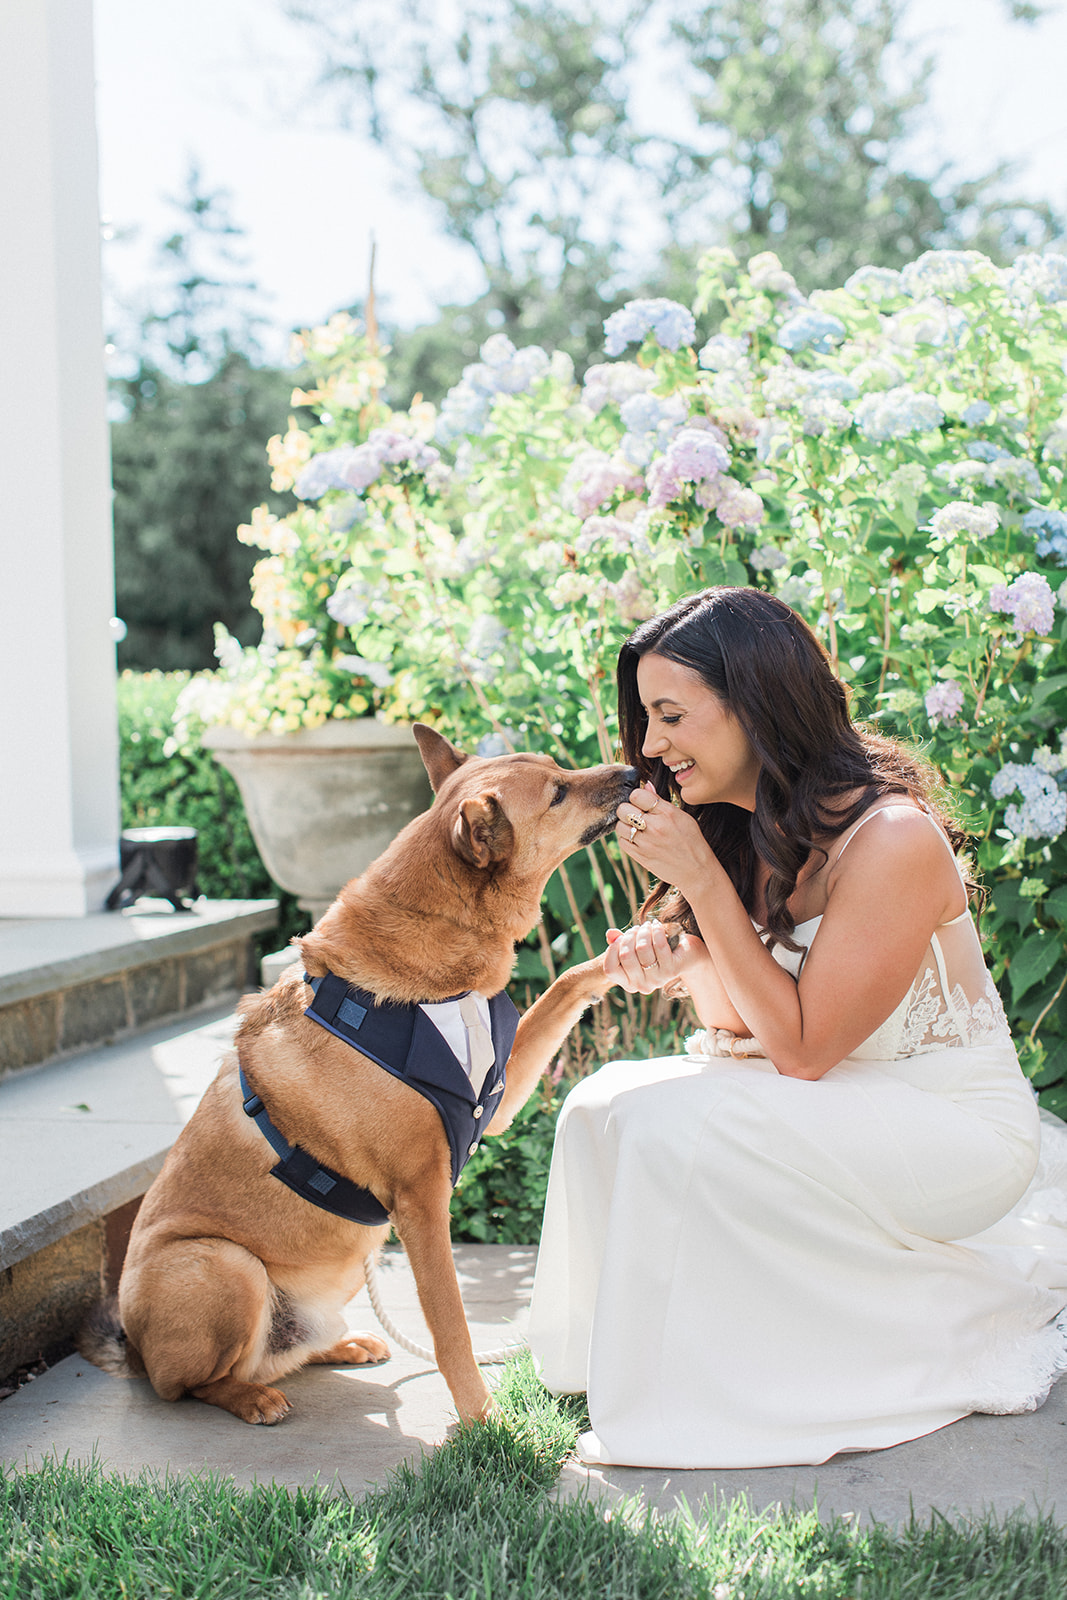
(480, 1051)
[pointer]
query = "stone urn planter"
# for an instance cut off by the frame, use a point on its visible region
(324, 802)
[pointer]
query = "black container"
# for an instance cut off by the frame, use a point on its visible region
(160, 862)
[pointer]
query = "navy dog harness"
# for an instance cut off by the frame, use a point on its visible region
(403, 1041)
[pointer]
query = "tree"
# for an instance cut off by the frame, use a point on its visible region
(799, 132)
(188, 465)
(533, 128)
(194, 411)
(515, 124)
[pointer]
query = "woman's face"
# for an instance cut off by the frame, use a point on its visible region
(694, 734)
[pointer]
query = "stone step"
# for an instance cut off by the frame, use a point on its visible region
(80, 1142)
(67, 984)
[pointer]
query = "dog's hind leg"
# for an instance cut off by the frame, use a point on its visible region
(354, 1350)
(200, 1316)
(422, 1223)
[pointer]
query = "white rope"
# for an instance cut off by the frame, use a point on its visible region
(488, 1358)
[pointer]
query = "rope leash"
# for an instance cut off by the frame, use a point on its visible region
(488, 1358)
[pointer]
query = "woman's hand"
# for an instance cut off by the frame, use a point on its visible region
(642, 960)
(664, 840)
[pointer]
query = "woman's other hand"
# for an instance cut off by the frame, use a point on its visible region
(642, 960)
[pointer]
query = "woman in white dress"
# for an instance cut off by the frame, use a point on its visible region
(825, 1227)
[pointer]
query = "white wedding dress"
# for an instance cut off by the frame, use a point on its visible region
(748, 1270)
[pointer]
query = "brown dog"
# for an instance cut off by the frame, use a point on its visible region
(232, 1279)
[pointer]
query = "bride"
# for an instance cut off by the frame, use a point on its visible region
(838, 1221)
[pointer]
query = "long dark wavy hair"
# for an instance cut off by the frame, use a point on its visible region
(765, 664)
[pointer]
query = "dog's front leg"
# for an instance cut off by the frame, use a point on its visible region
(542, 1030)
(422, 1223)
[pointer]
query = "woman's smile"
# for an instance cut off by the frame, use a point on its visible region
(695, 735)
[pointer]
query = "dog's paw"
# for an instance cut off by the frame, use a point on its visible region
(356, 1350)
(267, 1406)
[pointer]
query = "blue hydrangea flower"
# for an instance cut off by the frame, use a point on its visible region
(324, 472)
(1050, 526)
(671, 324)
(985, 450)
(464, 410)
(836, 384)
(977, 412)
(650, 421)
(502, 370)
(811, 330)
(614, 381)
(1043, 813)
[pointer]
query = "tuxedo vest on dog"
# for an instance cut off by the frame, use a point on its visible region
(408, 1045)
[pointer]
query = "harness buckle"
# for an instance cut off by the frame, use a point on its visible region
(253, 1105)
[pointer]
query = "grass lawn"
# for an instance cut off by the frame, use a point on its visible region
(475, 1521)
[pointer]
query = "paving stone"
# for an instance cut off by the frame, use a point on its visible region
(29, 1032)
(91, 1012)
(351, 1426)
(212, 974)
(153, 992)
(44, 1299)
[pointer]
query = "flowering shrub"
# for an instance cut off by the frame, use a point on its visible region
(887, 456)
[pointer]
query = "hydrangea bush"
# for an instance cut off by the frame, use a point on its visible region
(886, 456)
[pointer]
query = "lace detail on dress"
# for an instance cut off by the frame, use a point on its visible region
(931, 1024)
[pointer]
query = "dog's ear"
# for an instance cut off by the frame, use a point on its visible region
(481, 832)
(439, 757)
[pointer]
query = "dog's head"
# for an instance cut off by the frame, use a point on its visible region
(520, 811)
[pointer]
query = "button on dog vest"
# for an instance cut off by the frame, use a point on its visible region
(473, 1148)
(478, 1111)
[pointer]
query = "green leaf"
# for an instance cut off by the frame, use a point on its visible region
(1048, 686)
(1054, 1066)
(1034, 960)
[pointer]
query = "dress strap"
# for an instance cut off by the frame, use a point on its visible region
(875, 811)
(924, 811)
(942, 974)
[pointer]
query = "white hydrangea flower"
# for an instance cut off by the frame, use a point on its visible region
(765, 271)
(961, 517)
(943, 272)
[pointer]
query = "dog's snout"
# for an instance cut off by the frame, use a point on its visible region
(630, 777)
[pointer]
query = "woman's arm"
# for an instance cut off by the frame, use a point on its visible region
(895, 884)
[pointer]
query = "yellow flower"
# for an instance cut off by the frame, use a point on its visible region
(328, 339)
(287, 454)
(267, 532)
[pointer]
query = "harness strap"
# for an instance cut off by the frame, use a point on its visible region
(300, 1171)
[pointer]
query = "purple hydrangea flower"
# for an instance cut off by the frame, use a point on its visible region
(693, 456)
(1028, 601)
(944, 701)
(594, 477)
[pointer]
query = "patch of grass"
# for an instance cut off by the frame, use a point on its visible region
(474, 1521)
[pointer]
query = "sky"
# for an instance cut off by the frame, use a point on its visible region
(226, 83)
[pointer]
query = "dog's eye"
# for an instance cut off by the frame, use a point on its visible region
(560, 794)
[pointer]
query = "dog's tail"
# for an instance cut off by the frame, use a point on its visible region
(102, 1341)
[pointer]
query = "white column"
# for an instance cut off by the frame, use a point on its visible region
(59, 810)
